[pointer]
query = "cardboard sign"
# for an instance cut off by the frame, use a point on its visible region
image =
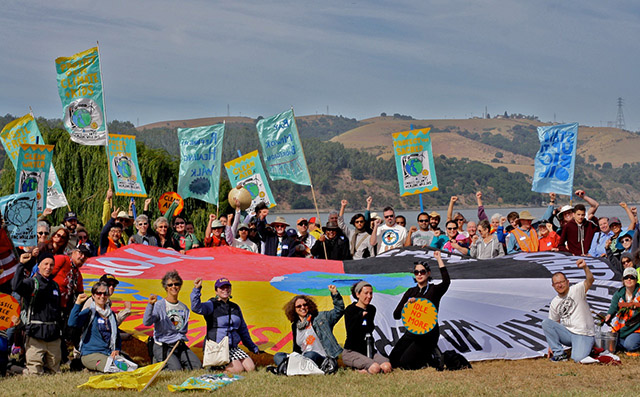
(9, 307)
(420, 316)
(167, 199)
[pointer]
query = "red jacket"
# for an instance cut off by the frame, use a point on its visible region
(569, 237)
(68, 278)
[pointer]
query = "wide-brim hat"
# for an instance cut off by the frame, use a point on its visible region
(374, 215)
(434, 214)
(331, 226)
(563, 210)
(526, 216)
(123, 215)
(279, 221)
(217, 224)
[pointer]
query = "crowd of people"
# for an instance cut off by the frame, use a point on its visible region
(59, 322)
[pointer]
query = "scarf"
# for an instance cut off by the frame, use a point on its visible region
(354, 239)
(624, 316)
(106, 313)
(303, 324)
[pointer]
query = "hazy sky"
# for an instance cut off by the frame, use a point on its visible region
(166, 60)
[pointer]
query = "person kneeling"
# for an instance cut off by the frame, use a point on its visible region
(170, 320)
(359, 351)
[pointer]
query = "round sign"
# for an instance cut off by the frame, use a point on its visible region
(9, 307)
(165, 201)
(420, 316)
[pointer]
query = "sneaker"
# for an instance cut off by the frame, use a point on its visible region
(560, 357)
(272, 369)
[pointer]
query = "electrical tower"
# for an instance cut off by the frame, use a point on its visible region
(620, 117)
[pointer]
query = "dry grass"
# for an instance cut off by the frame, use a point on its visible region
(523, 377)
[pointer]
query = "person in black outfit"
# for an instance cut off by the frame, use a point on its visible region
(359, 351)
(276, 241)
(337, 246)
(416, 351)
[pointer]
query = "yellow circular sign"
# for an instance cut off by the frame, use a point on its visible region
(420, 316)
(167, 199)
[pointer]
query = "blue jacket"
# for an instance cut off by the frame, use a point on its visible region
(93, 341)
(164, 331)
(323, 325)
(217, 314)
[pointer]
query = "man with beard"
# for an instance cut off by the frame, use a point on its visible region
(390, 235)
(420, 236)
(337, 247)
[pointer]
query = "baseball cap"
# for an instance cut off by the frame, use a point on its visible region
(70, 216)
(312, 220)
(301, 220)
(613, 220)
(221, 282)
(630, 271)
(109, 279)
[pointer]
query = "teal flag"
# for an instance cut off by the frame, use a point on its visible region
(25, 130)
(32, 172)
(414, 162)
(19, 212)
(200, 162)
(247, 172)
(80, 89)
(123, 162)
(282, 150)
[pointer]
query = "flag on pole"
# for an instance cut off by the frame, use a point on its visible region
(414, 162)
(137, 379)
(25, 130)
(282, 149)
(247, 172)
(556, 160)
(32, 172)
(123, 162)
(200, 162)
(80, 89)
(21, 218)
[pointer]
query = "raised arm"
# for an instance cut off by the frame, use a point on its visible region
(452, 201)
(481, 214)
(632, 218)
(593, 204)
(373, 240)
(587, 272)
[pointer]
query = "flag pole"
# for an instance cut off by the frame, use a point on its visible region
(161, 367)
(313, 193)
(106, 124)
(224, 123)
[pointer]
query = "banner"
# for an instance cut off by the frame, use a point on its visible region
(414, 162)
(9, 308)
(25, 130)
(21, 218)
(123, 161)
(556, 160)
(247, 172)
(200, 161)
(80, 89)
(282, 149)
(32, 172)
(492, 310)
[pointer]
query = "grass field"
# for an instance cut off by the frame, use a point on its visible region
(522, 377)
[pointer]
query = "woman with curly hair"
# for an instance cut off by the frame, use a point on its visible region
(312, 331)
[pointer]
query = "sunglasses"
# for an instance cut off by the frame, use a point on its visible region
(389, 216)
(359, 221)
(59, 235)
(303, 224)
(452, 228)
(300, 306)
(626, 261)
(417, 272)
(101, 293)
(423, 220)
(179, 223)
(43, 233)
(142, 223)
(629, 278)
(459, 220)
(174, 285)
(626, 240)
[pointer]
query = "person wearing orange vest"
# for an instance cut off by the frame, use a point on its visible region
(523, 238)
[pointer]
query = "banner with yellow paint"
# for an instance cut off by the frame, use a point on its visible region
(414, 162)
(247, 172)
(32, 172)
(123, 162)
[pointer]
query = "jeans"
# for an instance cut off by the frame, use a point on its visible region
(316, 357)
(631, 343)
(557, 335)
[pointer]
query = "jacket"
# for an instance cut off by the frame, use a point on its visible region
(92, 340)
(323, 325)
(271, 240)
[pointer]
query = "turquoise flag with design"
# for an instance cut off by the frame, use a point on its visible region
(282, 149)
(247, 171)
(19, 212)
(556, 160)
(414, 162)
(200, 162)
(32, 172)
(80, 89)
(123, 162)
(25, 130)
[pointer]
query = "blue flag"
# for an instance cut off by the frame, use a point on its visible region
(555, 161)
(123, 161)
(19, 212)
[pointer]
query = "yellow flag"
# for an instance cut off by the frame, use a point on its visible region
(137, 379)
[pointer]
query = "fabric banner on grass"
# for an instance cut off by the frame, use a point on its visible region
(556, 160)
(137, 379)
(492, 310)
(282, 149)
(80, 89)
(25, 130)
(247, 172)
(123, 162)
(20, 217)
(200, 162)
(32, 172)
(414, 162)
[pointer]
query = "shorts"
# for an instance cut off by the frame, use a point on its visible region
(353, 359)
(235, 353)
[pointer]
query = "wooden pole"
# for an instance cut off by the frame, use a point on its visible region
(106, 124)
(161, 367)
(315, 203)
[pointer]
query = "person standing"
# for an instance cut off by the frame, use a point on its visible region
(388, 236)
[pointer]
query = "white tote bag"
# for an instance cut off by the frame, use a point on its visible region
(216, 354)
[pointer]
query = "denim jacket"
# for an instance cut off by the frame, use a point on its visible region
(323, 325)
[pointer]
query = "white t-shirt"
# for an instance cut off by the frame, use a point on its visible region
(422, 238)
(308, 341)
(573, 312)
(245, 245)
(390, 237)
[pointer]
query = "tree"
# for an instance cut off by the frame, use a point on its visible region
(383, 114)
(499, 155)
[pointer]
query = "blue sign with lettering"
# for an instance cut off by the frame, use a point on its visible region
(555, 161)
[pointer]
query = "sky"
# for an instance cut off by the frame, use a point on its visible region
(162, 60)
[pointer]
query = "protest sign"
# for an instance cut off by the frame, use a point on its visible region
(123, 162)
(20, 217)
(420, 316)
(247, 172)
(556, 160)
(414, 162)
(9, 308)
(32, 172)
(165, 201)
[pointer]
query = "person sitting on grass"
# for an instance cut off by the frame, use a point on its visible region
(624, 310)
(359, 351)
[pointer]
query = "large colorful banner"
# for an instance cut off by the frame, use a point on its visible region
(414, 162)
(25, 130)
(123, 161)
(282, 149)
(493, 309)
(200, 162)
(80, 89)
(556, 160)
(32, 172)
(247, 172)
(19, 212)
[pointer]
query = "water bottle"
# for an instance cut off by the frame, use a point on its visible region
(370, 349)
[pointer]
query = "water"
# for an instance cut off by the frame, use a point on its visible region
(470, 213)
